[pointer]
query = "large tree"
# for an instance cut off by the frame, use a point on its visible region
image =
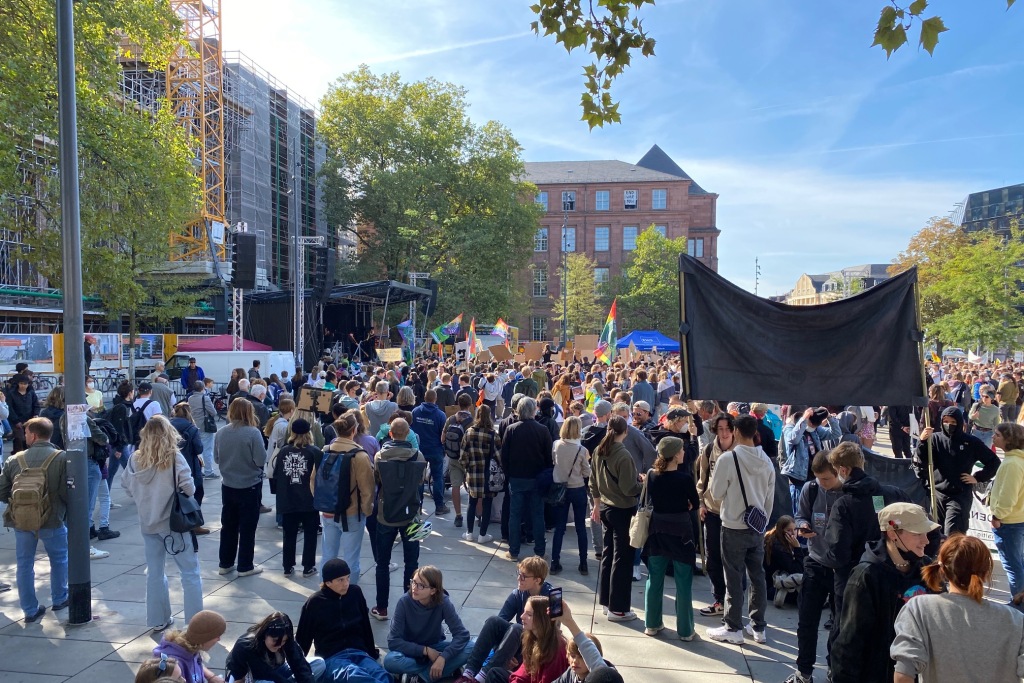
(427, 190)
(650, 294)
(138, 186)
(932, 250)
(613, 32)
(584, 312)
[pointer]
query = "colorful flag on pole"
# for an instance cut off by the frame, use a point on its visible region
(935, 358)
(443, 333)
(501, 328)
(408, 340)
(471, 341)
(605, 350)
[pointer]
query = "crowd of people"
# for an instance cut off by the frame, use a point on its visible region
(524, 448)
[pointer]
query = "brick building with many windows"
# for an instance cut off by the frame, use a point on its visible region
(604, 206)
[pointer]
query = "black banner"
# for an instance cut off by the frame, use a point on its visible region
(863, 350)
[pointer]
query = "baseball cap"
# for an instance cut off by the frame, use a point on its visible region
(642, 405)
(905, 517)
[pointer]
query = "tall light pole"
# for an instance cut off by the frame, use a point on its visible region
(565, 278)
(79, 573)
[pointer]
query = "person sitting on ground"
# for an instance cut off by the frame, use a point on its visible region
(543, 646)
(268, 652)
(337, 621)
(158, 670)
(499, 634)
(583, 651)
(188, 647)
(416, 638)
(784, 561)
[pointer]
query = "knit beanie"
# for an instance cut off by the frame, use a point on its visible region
(669, 447)
(335, 569)
(204, 627)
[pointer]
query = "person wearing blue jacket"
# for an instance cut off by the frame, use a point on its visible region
(416, 637)
(803, 437)
(428, 423)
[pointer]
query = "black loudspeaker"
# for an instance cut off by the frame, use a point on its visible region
(323, 273)
(243, 261)
(219, 302)
(432, 301)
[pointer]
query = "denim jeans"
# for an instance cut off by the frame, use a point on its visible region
(577, 499)
(410, 551)
(524, 495)
(207, 438)
(436, 463)
(498, 642)
(94, 487)
(114, 464)
(344, 544)
(240, 514)
(103, 496)
(743, 550)
(984, 436)
(1010, 544)
(397, 663)
(158, 600)
(654, 593)
(56, 543)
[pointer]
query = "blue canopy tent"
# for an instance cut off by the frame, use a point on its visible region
(647, 340)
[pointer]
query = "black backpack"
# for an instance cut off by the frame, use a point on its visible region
(137, 421)
(400, 485)
(332, 487)
(453, 437)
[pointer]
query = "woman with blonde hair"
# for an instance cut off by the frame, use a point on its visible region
(239, 452)
(1007, 503)
(315, 429)
(154, 473)
(572, 468)
(942, 637)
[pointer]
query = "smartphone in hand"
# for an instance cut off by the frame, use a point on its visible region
(555, 603)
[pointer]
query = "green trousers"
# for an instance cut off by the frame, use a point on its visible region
(654, 594)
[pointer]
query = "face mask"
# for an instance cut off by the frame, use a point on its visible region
(809, 428)
(948, 429)
(907, 555)
(89, 385)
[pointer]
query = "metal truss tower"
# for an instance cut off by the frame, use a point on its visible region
(195, 78)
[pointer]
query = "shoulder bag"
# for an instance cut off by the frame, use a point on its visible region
(639, 526)
(753, 516)
(186, 514)
(556, 493)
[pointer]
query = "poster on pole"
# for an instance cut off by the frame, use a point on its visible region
(980, 523)
(78, 425)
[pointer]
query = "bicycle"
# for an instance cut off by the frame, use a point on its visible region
(43, 383)
(112, 380)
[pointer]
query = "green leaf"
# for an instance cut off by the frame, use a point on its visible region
(930, 30)
(917, 7)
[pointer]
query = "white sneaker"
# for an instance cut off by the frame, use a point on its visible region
(393, 566)
(486, 538)
(115, 506)
(724, 635)
(470, 536)
(96, 554)
(636, 573)
(252, 572)
(758, 636)
(622, 616)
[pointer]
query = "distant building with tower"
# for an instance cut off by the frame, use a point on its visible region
(822, 288)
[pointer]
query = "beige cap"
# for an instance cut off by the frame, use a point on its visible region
(905, 517)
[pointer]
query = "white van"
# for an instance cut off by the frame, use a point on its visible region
(218, 365)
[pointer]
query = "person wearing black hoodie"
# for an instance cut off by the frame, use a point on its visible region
(953, 454)
(853, 521)
(337, 621)
(268, 652)
(889, 574)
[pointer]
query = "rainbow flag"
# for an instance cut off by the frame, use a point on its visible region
(443, 333)
(408, 340)
(501, 328)
(605, 350)
(935, 358)
(471, 341)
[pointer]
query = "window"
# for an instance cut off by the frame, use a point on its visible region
(539, 329)
(568, 239)
(629, 238)
(601, 275)
(662, 230)
(658, 199)
(629, 200)
(540, 240)
(569, 200)
(601, 238)
(695, 247)
(540, 282)
(542, 199)
(602, 200)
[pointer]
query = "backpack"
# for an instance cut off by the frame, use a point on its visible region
(453, 437)
(137, 421)
(495, 475)
(30, 500)
(332, 488)
(400, 486)
(107, 427)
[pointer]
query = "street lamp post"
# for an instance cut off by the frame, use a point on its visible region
(565, 278)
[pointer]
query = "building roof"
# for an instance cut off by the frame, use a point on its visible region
(655, 166)
(657, 160)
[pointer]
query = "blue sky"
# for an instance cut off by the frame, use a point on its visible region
(824, 153)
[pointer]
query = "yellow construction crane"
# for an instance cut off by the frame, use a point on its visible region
(195, 78)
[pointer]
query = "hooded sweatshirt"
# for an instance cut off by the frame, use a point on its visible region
(758, 481)
(1007, 499)
(854, 520)
(954, 454)
(189, 663)
(848, 426)
(813, 511)
(335, 623)
(378, 412)
(152, 490)
(874, 597)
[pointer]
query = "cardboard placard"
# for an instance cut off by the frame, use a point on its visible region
(450, 410)
(578, 393)
(392, 355)
(587, 343)
(534, 351)
(520, 358)
(485, 356)
(314, 400)
(499, 352)
(564, 356)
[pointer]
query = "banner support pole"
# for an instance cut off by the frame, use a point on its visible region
(924, 390)
(683, 337)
